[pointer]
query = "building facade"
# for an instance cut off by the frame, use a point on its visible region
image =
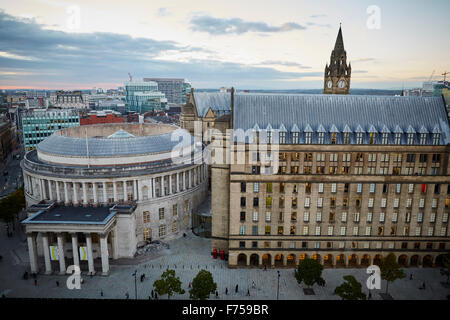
(41, 123)
(97, 117)
(98, 166)
(144, 96)
(174, 89)
(71, 100)
(358, 177)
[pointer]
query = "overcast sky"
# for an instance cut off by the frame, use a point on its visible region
(282, 44)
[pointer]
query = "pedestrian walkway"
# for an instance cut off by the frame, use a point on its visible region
(187, 256)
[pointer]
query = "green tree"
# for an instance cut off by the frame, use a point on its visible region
(202, 285)
(168, 284)
(390, 270)
(11, 205)
(309, 271)
(350, 289)
(445, 271)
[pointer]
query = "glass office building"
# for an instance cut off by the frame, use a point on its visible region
(144, 96)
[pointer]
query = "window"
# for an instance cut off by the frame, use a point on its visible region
(319, 202)
(146, 216)
(255, 216)
(359, 138)
(320, 187)
(147, 233)
(433, 217)
(307, 202)
(282, 137)
(369, 216)
(293, 216)
(308, 137)
(394, 216)
(434, 203)
(420, 217)
(242, 216)
(161, 213)
(242, 230)
(162, 231)
(359, 188)
(268, 202)
(320, 157)
(384, 138)
(295, 137)
(267, 230)
(436, 137)
(418, 231)
(368, 231)
(396, 202)
(410, 138)
(174, 226)
(410, 188)
(370, 205)
(268, 216)
(421, 203)
(308, 156)
(292, 230)
(294, 202)
(355, 230)
(256, 187)
(241, 244)
(382, 215)
(243, 201)
(333, 137)
(305, 230)
(372, 157)
(343, 231)
(243, 187)
(255, 202)
(398, 188)
(383, 202)
(280, 230)
(333, 188)
(423, 138)
(317, 230)
(320, 137)
(330, 230)
(344, 217)
(346, 137)
(372, 188)
(397, 138)
(175, 210)
(356, 217)
(306, 216)
(269, 187)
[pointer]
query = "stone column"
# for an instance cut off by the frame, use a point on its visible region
(41, 192)
(178, 182)
(85, 199)
(75, 193)
(66, 194)
(89, 254)
(44, 192)
(135, 190)
(62, 260)
(170, 184)
(163, 193)
(50, 191)
(58, 192)
(104, 252)
(94, 192)
(190, 179)
(116, 198)
(46, 249)
(105, 194)
(125, 193)
(153, 187)
(184, 180)
(76, 257)
(32, 251)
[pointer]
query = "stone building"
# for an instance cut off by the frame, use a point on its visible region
(359, 177)
(107, 188)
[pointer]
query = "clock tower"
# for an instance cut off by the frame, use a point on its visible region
(337, 74)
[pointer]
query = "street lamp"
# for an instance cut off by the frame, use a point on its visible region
(278, 286)
(135, 284)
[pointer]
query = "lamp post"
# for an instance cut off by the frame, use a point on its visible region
(278, 286)
(135, 284)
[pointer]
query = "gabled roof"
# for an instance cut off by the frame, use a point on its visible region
(359, 129)
(347, 129)
(321, 128)
(214, 100)
(333, 128)
(372, 129)
(269, 127)
(398, 129)
(256, 127)
(282, 128)
(410, 129)
(385, 129)
(295, 128)
(308, 128)
(423, 129)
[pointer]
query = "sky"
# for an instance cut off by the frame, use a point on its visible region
(282, 44)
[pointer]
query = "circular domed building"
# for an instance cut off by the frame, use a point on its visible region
(107, 188)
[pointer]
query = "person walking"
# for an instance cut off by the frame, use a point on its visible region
(236, 289)
(253, 284)
(217, 294)
(57, 283)
(127, 295)
(101, 292)
(35, 282)
(226, 291)
(153, 294)
(189, 284)
(248, 292)
(410, 276)
(156, 296)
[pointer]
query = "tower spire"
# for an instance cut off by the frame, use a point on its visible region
(339, 45)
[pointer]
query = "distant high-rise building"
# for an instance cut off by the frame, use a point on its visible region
(337, 74)
(144, 96)
(71, 100)
(173, 88)
(41, 123)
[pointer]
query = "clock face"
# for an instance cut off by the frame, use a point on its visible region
(329, 84)
(341, 84)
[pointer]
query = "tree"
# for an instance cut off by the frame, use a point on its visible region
(309, 271)
(350, 289)
(202, 286)
(445, 271)
(168, 284)
(390, 270)
(11, 205)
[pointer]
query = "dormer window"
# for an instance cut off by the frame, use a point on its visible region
(346, 137)
(282, 137)
(359, 138)
(436, 138)
(308, 137)
(333, 137)
(410, 138)
(372, 136)
(423, 138)
(321, 137)
(295, 137)
(398, 138)
(384, 138)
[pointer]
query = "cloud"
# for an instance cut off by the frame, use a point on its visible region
(318, 16)
(321, 25)
(359, 71)
(33, 56)
(284, 63)
(162, 12)
(219, 26)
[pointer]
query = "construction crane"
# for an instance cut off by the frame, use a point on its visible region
(131, 77)
(445, 74)
(432, 74)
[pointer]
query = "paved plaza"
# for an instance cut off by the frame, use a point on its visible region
(187, 256)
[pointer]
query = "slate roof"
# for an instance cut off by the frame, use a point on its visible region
(220, 102)
(110, 147)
